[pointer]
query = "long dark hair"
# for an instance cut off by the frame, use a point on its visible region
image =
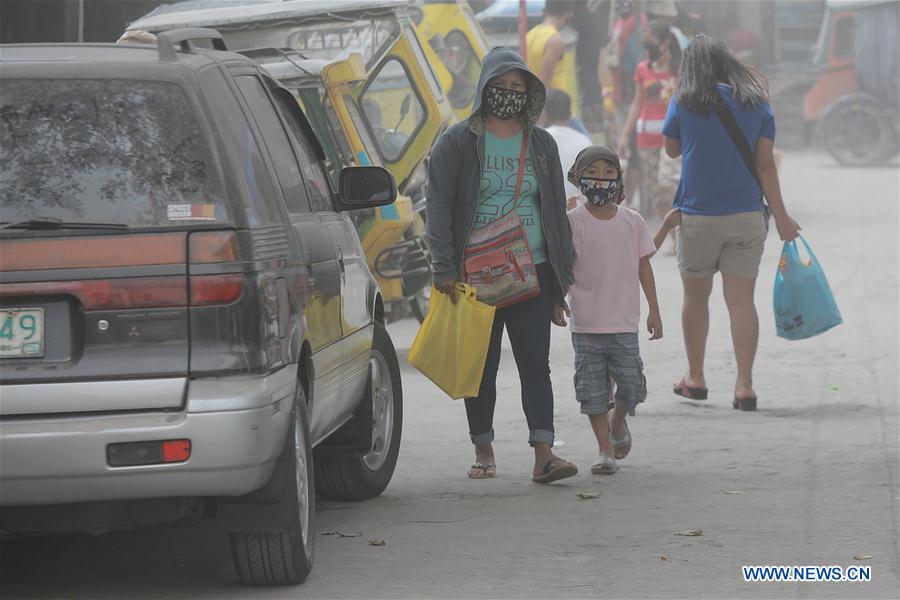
(708, 62)
(663, 32)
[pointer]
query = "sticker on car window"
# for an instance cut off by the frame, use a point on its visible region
(191, 212)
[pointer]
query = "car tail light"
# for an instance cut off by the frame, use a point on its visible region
(176, 450)
(213, 247)
(110, 294)
(215, 289)
(131, 454)
(138, 250)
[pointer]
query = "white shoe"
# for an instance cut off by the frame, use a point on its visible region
(604, 465)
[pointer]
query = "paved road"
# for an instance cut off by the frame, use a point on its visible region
(811, 478)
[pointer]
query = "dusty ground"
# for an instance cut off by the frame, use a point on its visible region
(809, 479)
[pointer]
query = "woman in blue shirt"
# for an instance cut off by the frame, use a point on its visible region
(723, 225)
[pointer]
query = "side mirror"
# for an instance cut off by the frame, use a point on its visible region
(404, 106)
(365, 187)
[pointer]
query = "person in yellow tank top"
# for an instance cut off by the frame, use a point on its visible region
(545, 46)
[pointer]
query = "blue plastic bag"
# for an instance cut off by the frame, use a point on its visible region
(803, 302)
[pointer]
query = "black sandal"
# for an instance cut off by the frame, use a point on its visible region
(550, 474)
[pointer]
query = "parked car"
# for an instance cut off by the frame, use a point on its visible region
(187, 317)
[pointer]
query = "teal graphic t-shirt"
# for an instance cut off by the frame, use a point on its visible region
(498, 190)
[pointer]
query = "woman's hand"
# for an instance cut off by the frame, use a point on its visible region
(447, 287)
(788, 229)
(560, 312)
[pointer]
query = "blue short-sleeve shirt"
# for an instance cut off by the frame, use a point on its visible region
(714, 179)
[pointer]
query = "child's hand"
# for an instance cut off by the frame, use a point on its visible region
(654, 326)
(672, 219)
(560, 312)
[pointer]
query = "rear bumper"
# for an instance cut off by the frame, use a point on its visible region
(237, 428)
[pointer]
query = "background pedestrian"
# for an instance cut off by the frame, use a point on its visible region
(723, 226)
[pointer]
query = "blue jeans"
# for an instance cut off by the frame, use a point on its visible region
(528, 327)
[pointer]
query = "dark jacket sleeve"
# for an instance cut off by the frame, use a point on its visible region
(562, 220)
(442, 182)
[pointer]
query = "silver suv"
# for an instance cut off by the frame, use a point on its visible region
(186, 313)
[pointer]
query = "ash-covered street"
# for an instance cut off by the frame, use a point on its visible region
(811, 478)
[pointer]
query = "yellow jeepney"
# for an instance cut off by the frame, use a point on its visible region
(449, 27)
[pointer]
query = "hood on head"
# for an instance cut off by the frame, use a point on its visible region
(499, 61)
(590, 155)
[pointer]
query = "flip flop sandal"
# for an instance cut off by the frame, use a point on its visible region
(693, 393)
(488, 471)
(747, 404)
(604, 465)
(550, 473)
(623, 446)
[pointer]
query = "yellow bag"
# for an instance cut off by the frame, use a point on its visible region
(452, 344)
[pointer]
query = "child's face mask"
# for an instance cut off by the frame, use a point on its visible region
(599, 191)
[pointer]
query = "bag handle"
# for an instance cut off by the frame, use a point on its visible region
(737, 137)
(743, 146)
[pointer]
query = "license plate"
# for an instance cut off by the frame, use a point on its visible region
(21, 333)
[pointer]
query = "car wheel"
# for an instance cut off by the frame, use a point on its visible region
(285, 557)
(419, 303)
(366, 473)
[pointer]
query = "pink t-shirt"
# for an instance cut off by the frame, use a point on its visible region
(606, 295)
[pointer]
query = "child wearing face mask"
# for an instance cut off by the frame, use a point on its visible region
(613, 246)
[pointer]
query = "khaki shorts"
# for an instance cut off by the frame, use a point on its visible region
(732, 244)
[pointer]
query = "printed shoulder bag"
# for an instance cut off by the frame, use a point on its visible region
(497, 259)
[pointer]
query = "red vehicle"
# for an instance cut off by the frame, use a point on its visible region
(853, 105)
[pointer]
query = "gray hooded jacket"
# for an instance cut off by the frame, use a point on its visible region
(454, 180)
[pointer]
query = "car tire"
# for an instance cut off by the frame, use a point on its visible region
(366, 474)
(284, 557)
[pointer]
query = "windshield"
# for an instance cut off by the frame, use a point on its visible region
(371, 38)
(105, 151)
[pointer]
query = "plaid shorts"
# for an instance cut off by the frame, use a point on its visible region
(601, 357)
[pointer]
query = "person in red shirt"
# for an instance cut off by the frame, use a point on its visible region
(655, 83)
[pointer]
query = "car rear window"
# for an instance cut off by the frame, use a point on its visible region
(104, 151)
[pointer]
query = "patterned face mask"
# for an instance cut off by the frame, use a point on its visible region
(599, 191)
(504, 103)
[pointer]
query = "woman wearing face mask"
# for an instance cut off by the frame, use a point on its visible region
(720, 196)
(655, 84)
(472, 179)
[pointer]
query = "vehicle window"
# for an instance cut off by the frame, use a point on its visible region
(844, 38)
(311, 102)
(383, 103)
(430, 75)
(463, 64)
(360, 125)
(276, 140)
(110, 151)
(335, 125)
(313, 174)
